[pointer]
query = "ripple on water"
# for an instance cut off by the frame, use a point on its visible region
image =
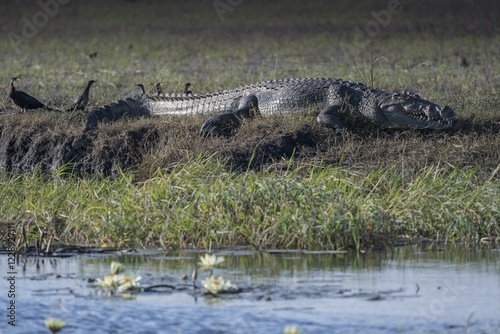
(410, 290)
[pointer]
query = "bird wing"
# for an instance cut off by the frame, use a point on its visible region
(30, 99)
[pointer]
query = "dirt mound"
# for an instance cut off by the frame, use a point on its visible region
(40, 142)
(49, 141)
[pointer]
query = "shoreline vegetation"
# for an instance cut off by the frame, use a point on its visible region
(201, 204)
(309, 207)
(278, 182)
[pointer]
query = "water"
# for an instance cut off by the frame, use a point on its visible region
(405, 290)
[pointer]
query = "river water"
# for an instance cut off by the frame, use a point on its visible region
(424, 289)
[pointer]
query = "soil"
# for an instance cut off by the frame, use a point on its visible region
(49, 141)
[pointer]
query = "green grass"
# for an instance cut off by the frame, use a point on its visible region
(256, 42)
(372, 189)
(312, 207)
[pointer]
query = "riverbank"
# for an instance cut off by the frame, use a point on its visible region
(287, 182)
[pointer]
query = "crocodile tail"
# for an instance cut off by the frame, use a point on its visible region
(130, 108)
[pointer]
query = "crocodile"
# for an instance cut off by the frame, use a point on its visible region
(328, 97)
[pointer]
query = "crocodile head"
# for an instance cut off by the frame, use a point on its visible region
(409, 110)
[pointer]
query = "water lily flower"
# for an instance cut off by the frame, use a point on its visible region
(109, 281)
(217, 285)
(54, 325)
(210, 261)
(117, 268)
(117, 281)
(291, 330)
(127, 283)
(122, 282)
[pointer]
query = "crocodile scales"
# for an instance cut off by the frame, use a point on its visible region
(327, 96)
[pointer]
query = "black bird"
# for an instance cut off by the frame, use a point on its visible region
(159, 90)
(81, 101)
(187, 92)
(23, 100)
(141, 86)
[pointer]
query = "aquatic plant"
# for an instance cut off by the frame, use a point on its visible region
(109, 281)
(218, 285)
(209, 261)
(54, 325)
(117, 281)
(128, 283)
(212, 284)
(117, 268)
(292, 330)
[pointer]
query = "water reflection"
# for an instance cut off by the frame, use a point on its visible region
(411, 289)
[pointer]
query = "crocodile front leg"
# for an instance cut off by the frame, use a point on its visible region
(247, 108)
(330, 117)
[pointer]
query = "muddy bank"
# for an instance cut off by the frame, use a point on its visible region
(45, 142)
(49, 141)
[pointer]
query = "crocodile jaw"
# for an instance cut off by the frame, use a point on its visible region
(428, 118)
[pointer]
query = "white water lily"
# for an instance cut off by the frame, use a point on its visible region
(109, 281)
(291, 330)
(54, 325)
(117, 280)
(117, 268)
(122, 282)
(127, 283)
(217, 285)
(209, 261)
